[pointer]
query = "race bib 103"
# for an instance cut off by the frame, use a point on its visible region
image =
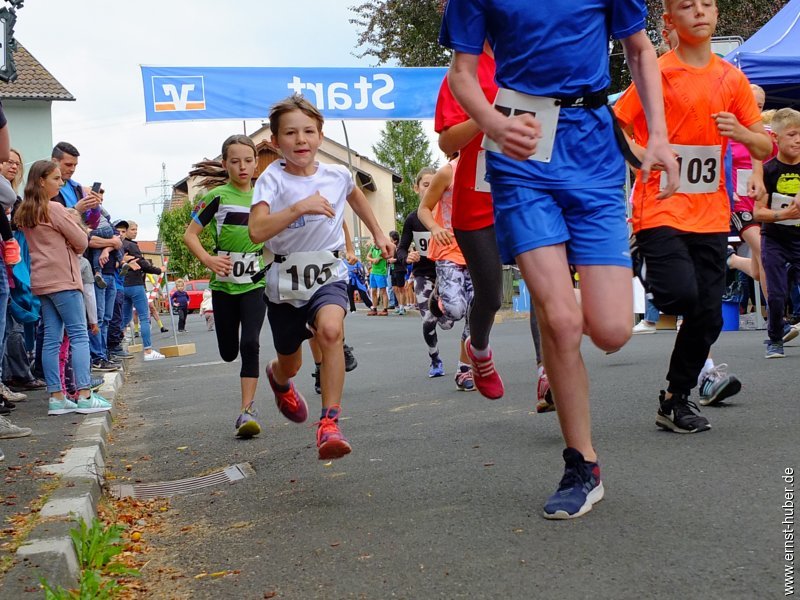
(699, 167)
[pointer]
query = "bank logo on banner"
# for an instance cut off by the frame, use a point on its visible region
(179, 94)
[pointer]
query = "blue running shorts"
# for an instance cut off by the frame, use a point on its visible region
(591, 222)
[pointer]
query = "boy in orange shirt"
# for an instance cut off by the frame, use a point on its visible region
(681, 240)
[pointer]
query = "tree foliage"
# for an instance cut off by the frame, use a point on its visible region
(405, 31)
(404, 147)
(171, 225)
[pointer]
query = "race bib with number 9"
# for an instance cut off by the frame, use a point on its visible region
(421, 241)
(699, 168)
(243, 266)
(301, 274)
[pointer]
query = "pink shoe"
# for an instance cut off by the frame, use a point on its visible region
(330, 441)
(290, 402)
(484, 374)
(544, 395)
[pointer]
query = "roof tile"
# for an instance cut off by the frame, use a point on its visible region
(34, 82)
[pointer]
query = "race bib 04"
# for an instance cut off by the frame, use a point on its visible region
(243, 266)
(699, 168)
(544, 109)
(421, 241)
(301, 274)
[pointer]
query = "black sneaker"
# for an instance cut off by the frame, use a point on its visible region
(163, 330)
(315, 376)
(350, 362)
(676, 414)
(7, 405)
(103, 366)
(99, 281)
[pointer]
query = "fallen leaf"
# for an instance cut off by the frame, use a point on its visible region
(488, 464)
(241, 524)
(200, 575)
(182, 447)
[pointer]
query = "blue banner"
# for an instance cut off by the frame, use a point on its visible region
(193, 93)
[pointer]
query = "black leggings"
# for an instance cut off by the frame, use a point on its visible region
(479, 248)
(231, 311)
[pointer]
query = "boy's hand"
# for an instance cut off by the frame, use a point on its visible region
(316, 204)
(442, 235)
(350, 257)
(134, 266)
(791, 212)
(660, 156)
(517, 136)
(221, 265)
(413, 257)
(755, 187)
(94, 329)
(103, 259)
(385, 244)
(729, 126)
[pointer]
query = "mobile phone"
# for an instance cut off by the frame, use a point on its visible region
(96, 187)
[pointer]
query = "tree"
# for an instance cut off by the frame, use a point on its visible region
(406, 31)
(171, 225)
(404, 148)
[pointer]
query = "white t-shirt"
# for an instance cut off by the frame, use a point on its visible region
(309, 233)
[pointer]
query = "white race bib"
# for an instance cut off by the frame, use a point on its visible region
(742, 177)
(421, 241)
(781, 201)
(301, 274)
(699, 167)
(544, 109)
(244, 266)
(481, 185)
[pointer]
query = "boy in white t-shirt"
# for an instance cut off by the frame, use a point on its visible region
(298, 209)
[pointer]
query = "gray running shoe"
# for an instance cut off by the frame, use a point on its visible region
(9, 430)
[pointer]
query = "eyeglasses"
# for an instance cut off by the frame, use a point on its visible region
(13, 163)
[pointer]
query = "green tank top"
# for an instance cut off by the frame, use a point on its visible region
(229, 208)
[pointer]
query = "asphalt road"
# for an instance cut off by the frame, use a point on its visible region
(443, 493)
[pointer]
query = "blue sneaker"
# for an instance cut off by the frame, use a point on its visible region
(93, 404)
(61, 407)
(579, 489)
(96, 382)
(774, 350)
(246, 425)
(437, 368)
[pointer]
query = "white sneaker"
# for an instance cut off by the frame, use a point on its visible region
(644, 327)
(9, 430)
(154, 355)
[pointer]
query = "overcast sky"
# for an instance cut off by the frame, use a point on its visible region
(95, 47)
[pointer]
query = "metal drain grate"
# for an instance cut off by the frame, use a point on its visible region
(167, 489)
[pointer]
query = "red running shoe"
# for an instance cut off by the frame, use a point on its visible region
(484, 374)
(330, 441)
(290, 402)
(544, 395)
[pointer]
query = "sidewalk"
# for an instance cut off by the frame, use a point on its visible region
(50, 478)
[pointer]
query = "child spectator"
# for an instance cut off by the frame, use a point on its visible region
(377, 281)
(179, 299)
(779, 212)
(207, 309)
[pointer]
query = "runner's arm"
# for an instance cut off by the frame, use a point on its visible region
(517, 136)
(358, 202)
(641, 58)
(439, 184)
(453, 139)
(264, 225)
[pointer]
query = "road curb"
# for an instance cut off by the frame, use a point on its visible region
(48, 551)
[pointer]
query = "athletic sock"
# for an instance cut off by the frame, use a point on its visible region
(485, 353)
(540, 371)
(330, 413)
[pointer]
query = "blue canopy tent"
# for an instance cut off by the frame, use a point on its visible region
(771, 57)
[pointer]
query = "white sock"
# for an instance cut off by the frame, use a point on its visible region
(709, 364)
(540, 371)
(485, 353)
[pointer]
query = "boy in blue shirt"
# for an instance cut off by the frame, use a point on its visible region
(557, 183)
